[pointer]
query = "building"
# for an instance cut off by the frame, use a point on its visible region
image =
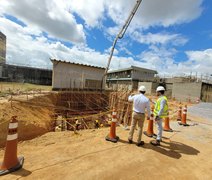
(2, 48)
(13, 73)
(2, 51)
(129, 78)
(69, 75)
(192, 91)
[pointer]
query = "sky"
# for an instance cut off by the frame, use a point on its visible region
(172, 37)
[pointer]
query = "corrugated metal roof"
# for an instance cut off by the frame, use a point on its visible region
(63, 61)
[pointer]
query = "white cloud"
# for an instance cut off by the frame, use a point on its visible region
(158, 38)
(126, 51)
(201, 60)
(155, 13)
(158, 58)
(162, 59)
(91, 11)
(23, 49)
(113, 31)
(49, 16)
(115, 52)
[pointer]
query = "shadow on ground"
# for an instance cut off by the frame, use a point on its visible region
(171, 149)
(22, 172)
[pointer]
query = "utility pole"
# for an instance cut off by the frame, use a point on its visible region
(120, 35)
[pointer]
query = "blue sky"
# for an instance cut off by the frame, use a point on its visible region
(172, 37)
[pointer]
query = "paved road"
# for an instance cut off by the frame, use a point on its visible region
(203, 110)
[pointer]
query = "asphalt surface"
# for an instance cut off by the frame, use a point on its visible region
(203, 110)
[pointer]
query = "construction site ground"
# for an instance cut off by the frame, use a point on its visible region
(183, 154)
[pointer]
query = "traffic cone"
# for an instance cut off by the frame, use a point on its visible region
(11, 162)
(150, 132)
(184, 116)
(166, 125)
(112, 136)
(179, 115)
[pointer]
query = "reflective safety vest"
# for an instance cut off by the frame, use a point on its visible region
(157, 107)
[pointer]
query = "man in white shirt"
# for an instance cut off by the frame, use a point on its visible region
(140, 103)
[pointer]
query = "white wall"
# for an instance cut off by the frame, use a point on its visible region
(67, 75)
(186, 90)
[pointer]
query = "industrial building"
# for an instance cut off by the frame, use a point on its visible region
(2, 48)
(69, 75)
(13, 73)
(130, 77)
(2, 51)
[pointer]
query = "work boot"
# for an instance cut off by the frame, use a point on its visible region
(155, 142)
(130, 141)
(140, 143)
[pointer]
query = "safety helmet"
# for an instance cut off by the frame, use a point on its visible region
(142, 88)
(160, 88)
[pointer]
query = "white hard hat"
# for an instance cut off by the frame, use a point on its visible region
(142, 88)
(160, 88)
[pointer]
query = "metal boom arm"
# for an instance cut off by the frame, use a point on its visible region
(122, 32)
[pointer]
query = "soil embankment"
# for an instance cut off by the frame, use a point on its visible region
(33, 120)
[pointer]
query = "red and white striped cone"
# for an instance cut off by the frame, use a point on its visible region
(184, 116)
(112, 135)
(11, 162)
(179, 115)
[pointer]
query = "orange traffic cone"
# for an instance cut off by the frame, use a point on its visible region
(179, 113)
(184, 116)
(166, 125)
(112, 136)
(150, 132)
(11, 163)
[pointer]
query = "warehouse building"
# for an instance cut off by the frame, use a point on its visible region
(68, 75)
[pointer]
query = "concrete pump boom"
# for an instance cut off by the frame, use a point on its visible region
(121, 33)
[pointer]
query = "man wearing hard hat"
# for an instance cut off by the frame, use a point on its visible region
(140, 103)
(160, 112)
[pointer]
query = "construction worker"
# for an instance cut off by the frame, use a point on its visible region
(160, 112)
(58, 128)
(140, 103)
(96, 124)
(77, 124)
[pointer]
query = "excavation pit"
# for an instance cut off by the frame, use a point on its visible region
(38, 113)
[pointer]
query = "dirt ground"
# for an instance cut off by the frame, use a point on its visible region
(184, 154)
(33, 121)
